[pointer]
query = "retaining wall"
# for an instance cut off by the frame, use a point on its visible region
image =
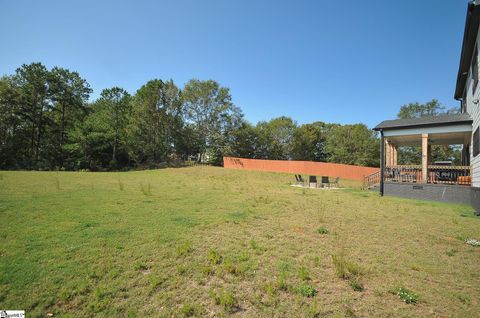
(300, 167)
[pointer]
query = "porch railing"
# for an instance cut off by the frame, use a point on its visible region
(449, 175)
(435, 174)
(371, 180)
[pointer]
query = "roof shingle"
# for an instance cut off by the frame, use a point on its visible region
(440, 120)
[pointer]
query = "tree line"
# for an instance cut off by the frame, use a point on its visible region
(48, 123)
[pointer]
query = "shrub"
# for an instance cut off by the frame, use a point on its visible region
(322, 230)
(306, 290)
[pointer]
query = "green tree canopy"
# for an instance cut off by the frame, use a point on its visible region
(352, 144)
(212, 115)
(413, 155)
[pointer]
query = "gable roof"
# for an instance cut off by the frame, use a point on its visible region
(441, 120)
(469, 38)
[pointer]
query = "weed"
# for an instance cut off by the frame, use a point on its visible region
(230, 267)
(455, 220)
(139, 266)
(132, 313)
(355, 284)
(451, 252)
(322, 230)
(254, 244)
(464, 299)
(349, 312)
(146, 189)
(316, 260)
(284, 266)
(57, 183)
(183, 249)
(120, 185)
(214, 257)
(303, 273)
(243, 257)
(269, 288)
(344, 268)
(225, 298)
(306, 290)
(313, 310)
(1, 176)
(155, 283)
(207, 270)
(188, 310)
(281, 282)
(181, 270)
(408, 296)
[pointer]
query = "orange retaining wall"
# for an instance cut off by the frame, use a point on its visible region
(299, 167)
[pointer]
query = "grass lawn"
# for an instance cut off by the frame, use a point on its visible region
(205, 241)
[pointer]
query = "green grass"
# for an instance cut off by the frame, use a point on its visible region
(205, 241)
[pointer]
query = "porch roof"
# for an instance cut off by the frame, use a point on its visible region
(423, 122)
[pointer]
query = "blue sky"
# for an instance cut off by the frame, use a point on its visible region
(333, 61)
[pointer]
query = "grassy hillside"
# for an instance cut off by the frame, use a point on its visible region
(206, 241)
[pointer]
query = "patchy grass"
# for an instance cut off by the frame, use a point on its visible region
(204, 241)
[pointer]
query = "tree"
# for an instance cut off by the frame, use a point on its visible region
(13, 129)
(245, 141)
(99, 141)
(352, 144)
(275, 138)
(68, 93)
(431, 108)
(212, 114)
(309, 142)
(155, 123)
(31, 82)
(412, 155)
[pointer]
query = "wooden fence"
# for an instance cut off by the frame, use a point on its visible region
(300, 167)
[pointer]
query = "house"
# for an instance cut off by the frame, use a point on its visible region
(439, 181)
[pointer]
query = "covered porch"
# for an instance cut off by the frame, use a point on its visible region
(424, 133)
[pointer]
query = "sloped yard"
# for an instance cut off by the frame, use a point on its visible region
(206, 241)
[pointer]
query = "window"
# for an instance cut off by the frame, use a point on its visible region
(476, 142)
(475, 70)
